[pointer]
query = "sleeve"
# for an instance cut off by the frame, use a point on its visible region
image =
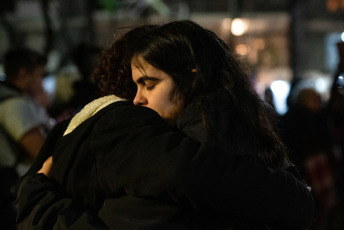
(21, 116)
(208, 178)
(45, 205)
(49, 145)
(47, 150)
(253, 192)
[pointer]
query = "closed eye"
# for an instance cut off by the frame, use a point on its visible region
(150, 87)
(149, 82)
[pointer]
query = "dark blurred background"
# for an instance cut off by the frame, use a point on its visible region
(294, 50)
(280, 40)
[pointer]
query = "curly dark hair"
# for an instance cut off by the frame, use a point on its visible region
(201, 65)
(112, 73)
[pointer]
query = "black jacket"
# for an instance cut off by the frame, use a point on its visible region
(124, 168)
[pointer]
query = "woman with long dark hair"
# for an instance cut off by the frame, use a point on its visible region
(205, 70)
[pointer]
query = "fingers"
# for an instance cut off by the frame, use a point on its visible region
(46, 168)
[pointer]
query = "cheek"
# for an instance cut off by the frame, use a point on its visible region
(168, 110)
(160, 104)
(156, 104)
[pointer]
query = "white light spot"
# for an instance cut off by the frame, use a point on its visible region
(239, 27)
(280, 90)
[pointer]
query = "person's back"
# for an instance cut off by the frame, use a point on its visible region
(305, 129)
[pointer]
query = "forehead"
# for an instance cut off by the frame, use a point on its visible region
(140, 67)
(139, 62)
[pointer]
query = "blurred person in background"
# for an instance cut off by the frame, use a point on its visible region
(306, 132)
(84, 57)
(23, 120)
(336, 104)
(336, 111)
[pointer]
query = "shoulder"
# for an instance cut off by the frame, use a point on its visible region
(19, 104)
(127, 114)
(120, 116)
(7, 92)
(18, 115)
(20, 108)
(128, 107)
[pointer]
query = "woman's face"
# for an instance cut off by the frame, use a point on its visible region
(153, 89)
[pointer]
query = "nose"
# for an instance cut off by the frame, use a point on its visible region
(140, 99)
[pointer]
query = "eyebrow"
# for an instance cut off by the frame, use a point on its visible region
(142, 79)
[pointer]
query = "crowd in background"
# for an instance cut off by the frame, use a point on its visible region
(313, 131)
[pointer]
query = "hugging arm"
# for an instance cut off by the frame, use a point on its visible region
(43, 203)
